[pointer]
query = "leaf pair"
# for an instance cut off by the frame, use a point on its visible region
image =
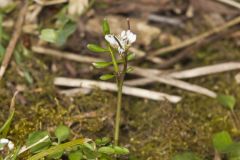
(36, 144)
(59, 36)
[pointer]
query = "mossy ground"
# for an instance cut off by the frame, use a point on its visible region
(152, 130)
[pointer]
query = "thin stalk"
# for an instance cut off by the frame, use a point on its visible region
(120, 80)
(118, 114)
(115, 65)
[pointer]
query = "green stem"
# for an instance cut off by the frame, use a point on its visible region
(115, 65)
(120, 80)
(118, 114)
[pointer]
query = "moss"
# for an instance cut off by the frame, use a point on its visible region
(152, 130)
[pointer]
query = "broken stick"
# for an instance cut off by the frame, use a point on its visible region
(91, 84)
(14, 39)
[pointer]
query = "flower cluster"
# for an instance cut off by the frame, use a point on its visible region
(121, 42)
(5, 142)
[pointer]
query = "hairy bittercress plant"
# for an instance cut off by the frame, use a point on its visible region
(117, 47)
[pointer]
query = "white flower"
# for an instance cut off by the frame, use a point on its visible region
(4, 141)
(121, 42)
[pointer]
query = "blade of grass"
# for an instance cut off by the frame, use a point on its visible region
(57, 148)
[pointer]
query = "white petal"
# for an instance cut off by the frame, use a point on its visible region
(4, 141)
(123, 33)
(121, 50)
(10, 145)
(111, 40)
(132, 38)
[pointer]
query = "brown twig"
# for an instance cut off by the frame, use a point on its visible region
(14, 39)
(65, 55)
(197, 38)
(192, 49)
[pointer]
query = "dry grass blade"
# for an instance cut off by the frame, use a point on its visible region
(231, 3)
(14, 39)
(138, 92)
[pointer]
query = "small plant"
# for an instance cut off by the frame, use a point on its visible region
(225, 146)
(229, 102)
(117, 47)
(64, 28)
(41, 145)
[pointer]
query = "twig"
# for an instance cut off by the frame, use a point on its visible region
(197, 38)
(177, 83)
(14, 39)
(52, 2)
(139, 82)
(147, 72)
(143, 93)
(192, 49)
(66, 55)
(75, 91)
(185, 74)
(206, 70)
(231, 3)
(167, 20)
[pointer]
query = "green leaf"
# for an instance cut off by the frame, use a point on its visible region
(106, 77)
(186, 156)
(102, 64)
(121, 150)
(233, 151)
(105, 27)
(28, 76)
(102, 141)
(63, 33)
(227, 101)
(48, 35)
(77, 155)
(60, 36)
(96, 48)
(35, 137)
(221, 141)
(89, 151)
(106, 150)
(62, 133)
(130, 56)
(57, 155)
(89, 146)
(5, 128)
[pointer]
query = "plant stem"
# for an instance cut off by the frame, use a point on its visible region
(118, 113)
(120, 80)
